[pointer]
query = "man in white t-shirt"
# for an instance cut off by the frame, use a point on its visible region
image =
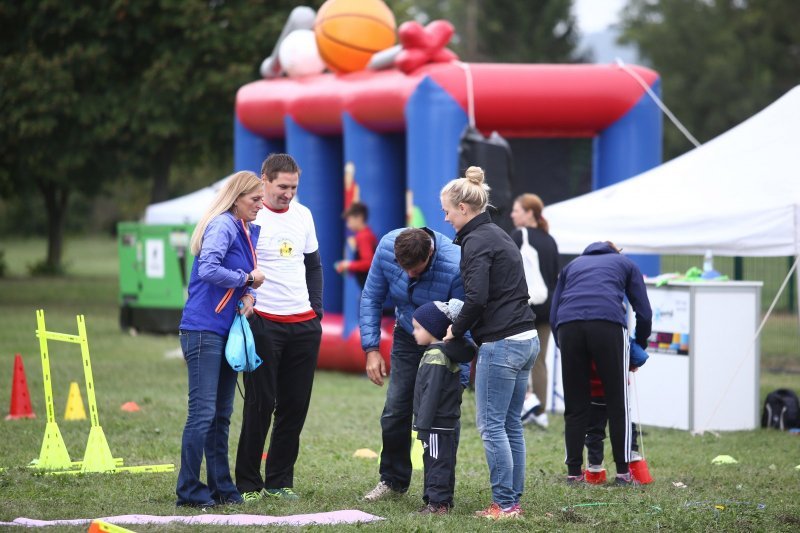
(287, 332)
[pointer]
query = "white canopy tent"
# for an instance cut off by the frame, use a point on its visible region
(185, 209)
(737, 195)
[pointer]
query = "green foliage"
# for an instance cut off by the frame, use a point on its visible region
(95, 90)
(503, 30)
(44, 268)
(721, 61)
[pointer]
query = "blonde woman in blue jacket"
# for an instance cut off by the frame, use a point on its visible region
(224, 273)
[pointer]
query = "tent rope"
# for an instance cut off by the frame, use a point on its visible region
(751, 349)
(470, 92)
(621, 64)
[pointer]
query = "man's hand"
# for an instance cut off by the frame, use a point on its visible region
(376, 367)
(341, 266)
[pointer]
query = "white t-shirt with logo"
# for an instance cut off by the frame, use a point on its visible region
(284, 238)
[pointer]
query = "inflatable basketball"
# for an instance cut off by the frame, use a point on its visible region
(348, 32)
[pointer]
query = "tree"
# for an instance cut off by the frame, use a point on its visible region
(56, 127)
(721, 61)
(92, 90)
(186, 59)
(506, 30)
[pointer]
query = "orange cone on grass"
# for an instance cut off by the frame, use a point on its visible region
(20, 397)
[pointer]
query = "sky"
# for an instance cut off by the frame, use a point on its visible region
(597, 15)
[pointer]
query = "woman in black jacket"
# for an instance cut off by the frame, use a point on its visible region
(497, 313)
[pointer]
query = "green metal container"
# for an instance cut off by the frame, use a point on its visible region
(155, 263)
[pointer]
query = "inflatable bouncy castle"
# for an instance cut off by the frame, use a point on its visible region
(398, 133)
(387, 126)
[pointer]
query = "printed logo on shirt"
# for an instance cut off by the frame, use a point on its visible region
(285, 248)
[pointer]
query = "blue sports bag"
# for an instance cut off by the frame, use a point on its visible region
(240, 350)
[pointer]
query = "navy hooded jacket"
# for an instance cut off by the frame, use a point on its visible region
(594, 287)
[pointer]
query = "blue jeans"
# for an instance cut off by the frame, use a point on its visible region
(501, 377)
(395, 465)
(212, 383)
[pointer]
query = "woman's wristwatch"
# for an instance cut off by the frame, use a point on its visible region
(250, 280)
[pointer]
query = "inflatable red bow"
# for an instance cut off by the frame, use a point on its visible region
(424, 45)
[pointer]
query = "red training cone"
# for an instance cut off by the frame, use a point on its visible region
(640, 472)
(595, 476)
(20, 398)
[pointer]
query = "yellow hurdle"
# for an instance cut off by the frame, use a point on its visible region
(53, 457)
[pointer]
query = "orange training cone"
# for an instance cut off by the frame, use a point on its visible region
(99, 526)
(20, 398)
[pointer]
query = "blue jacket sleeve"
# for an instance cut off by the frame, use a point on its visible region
(373, 296)
(216, 242)
(636, 291)
(554, 304)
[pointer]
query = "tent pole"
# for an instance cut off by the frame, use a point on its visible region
(797, 290)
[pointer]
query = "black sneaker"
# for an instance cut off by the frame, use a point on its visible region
(626, 480)
(576, 480)
(434, 509)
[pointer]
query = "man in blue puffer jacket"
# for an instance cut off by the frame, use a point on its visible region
(412, 267)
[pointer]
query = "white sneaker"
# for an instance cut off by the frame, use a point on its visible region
(528, 407)
(635, 456)
(381, 491)
(541, 421)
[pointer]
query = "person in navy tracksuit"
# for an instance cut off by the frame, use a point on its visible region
(588, 318)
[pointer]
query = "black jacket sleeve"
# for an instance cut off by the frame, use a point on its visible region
(313, 264)
(460, 349)
(476, 288)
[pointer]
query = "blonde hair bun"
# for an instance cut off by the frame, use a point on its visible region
(474, 175)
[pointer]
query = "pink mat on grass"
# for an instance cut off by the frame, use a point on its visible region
(333, 517)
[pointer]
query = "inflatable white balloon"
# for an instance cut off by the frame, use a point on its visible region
(301, 18)
(299, 56)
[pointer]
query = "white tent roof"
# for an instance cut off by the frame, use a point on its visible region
(185, 209)
(738, 194)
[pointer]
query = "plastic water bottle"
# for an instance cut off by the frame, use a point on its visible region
(708, 267)
(708, 262)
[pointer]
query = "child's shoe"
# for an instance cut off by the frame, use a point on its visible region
(595, 475)
(434, 509)
(626, 480)
(576, 480)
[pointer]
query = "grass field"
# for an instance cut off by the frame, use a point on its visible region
(344, 417)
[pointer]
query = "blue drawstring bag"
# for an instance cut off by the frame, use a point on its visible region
(240, 350)
(637, 354)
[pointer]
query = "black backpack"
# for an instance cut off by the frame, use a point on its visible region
(781, 410)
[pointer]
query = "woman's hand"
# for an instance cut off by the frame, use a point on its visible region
(247, 305)
(449, 335)
(341, 266)
(258, 278)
